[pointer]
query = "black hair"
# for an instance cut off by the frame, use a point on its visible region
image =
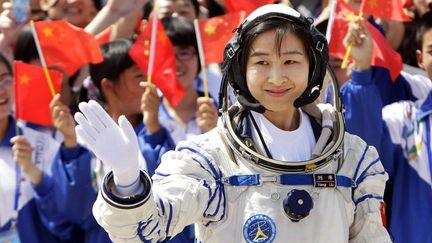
(181, 33)
(116, 61)
(214, 9)
(281, 27)
(98, 4)
(195, 4)
(6, 62)
(25, 48)
(424, 25)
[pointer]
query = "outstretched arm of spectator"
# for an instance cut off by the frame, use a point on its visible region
(111, 13)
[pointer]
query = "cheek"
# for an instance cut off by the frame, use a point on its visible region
(252, 83)
(192, 67)
(253, 74)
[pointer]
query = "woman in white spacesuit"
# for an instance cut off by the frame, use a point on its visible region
(278, 168)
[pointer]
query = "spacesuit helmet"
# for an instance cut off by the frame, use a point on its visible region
(237, 50)
(330, 142)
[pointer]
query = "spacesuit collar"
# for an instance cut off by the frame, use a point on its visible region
(244, 126)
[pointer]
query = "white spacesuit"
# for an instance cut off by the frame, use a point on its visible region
(191, 185)
(232, 189)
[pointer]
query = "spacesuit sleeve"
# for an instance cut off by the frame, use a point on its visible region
(186, 189)
(370, 179)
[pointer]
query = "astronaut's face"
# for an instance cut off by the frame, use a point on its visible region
(277, 78)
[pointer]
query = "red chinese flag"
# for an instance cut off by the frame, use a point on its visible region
(32, 93)
(383, 55)
(66, 46)
(387, 9)
(104, 36)
(245, 5)
(164, 67)
(216, 32)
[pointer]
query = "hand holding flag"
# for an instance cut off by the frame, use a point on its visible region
(359, 37)
(163, 73)
(383, 54)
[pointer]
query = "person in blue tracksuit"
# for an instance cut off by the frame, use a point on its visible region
(195, 114)
(25, 159)
(77, 172)
(400, 131)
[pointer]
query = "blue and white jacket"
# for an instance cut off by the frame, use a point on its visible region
(27, 205)
(401, 133)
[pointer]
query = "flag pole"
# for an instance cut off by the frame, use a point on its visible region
(152, 44)
(201, 56)
(42, 59)
(349, 48)
(332, 6)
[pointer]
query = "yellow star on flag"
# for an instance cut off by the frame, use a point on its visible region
(350, 17)
(146, 46)
(210, 29)
(24, 79)
(48, 32)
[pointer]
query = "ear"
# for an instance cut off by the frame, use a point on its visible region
(107, 88)
(419, 57)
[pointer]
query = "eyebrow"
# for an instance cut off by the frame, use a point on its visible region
(263, 53)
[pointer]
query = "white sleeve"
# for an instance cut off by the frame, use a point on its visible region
(370, 179)
(420, 85)
(186, 189)
(396, 117)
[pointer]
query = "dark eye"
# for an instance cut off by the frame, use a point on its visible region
(290, 62)
(261, 62)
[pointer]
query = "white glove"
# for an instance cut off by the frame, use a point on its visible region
(115, 145)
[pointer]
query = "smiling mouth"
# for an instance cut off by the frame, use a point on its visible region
(277, 92)
(4, 101)
(72, 11)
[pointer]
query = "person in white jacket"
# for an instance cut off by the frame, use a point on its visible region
(277, 168)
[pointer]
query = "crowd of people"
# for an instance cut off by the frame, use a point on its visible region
(264, 161)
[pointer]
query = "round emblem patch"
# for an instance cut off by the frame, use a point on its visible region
(259, 228)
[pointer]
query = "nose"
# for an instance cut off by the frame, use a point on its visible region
(277, 76)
